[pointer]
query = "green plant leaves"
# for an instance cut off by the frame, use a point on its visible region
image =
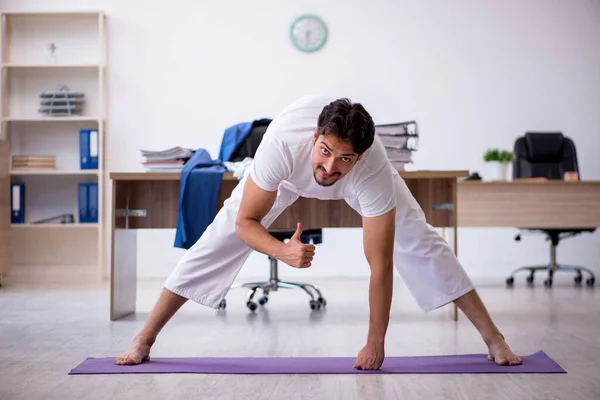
(495, 154)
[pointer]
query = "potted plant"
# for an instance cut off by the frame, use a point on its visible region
(502, 158)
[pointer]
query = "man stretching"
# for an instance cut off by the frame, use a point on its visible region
(327, 149)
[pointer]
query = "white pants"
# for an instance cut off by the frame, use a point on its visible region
(422, 257)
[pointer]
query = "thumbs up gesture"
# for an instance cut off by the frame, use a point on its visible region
(298, 254)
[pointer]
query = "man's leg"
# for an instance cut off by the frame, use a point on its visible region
(167, 305)
(475, 310)
(206, 271)
(434, 276)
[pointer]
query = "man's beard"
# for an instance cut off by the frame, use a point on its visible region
(321, 183)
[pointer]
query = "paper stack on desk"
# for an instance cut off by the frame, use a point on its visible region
(400, 140)
(172, 159)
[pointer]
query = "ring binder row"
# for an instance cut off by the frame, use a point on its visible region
(88, 148)
(87, 204)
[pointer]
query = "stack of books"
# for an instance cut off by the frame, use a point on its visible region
(400, 139)
(25, 163)
(172, 159)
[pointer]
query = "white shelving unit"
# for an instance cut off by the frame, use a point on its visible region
(40, 52)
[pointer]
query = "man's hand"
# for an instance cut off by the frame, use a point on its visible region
(296, 253)
(370, 357)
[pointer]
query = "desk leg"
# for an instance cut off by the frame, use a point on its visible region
(123, 286)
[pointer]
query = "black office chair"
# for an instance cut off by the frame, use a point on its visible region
(548, 155)
(248, 149)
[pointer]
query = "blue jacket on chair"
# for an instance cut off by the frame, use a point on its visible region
(200, 184)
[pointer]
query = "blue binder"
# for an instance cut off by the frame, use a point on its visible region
(17, 203)
(84, 148)
(83, 203)
(92, 202)
(93, 155)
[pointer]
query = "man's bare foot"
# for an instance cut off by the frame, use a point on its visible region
(501, 354)
(139, 352)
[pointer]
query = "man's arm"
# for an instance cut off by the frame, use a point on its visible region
(378, 239)
(255, 205)
(379, 250)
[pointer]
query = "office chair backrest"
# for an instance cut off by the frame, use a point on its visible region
(544, 155)
(248, 148)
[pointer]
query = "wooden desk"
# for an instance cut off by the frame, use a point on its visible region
(526, 204)
(150, 201)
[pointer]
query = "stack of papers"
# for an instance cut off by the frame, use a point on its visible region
(26, 162)
(400, 140)
(171, 159)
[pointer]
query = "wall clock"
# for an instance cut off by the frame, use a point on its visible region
(308, 33)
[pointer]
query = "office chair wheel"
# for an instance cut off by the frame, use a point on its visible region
(322, 301)
(510, 281)
(263, 300)
(222, 304)
(251, 305)
(590, 281)
(578, 280)
(529, 279)
(548, 282)
(314, 305)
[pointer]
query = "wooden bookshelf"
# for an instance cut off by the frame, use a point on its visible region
(31, 65)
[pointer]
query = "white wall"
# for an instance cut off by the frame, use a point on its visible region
(473, 74)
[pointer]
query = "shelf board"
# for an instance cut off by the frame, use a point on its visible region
(51, 66)
(51, 119)
(57, 225)
(74, 14)
(55, 172)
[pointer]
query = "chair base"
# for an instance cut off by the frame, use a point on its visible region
(552, 269)
(553, 266)
(316, 302)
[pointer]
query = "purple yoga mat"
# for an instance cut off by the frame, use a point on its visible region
(458, 364)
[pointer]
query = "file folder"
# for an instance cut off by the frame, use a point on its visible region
(93, 156)
(84, 148)
(17, 203)
(89, 146)
(83, 203)
(92, 202)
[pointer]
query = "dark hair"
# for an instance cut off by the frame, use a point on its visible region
(348, 121)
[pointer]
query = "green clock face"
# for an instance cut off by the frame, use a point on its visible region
(308, 33)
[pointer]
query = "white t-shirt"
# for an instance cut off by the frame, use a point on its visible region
(284, 157)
